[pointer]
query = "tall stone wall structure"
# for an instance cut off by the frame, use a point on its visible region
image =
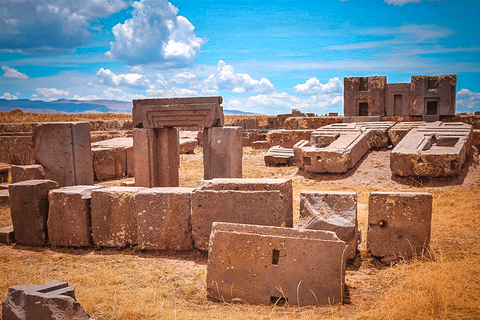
(364, 96)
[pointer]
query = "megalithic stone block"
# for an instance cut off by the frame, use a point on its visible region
(265, 265)
(29, 210)
(332, 211)
(54, 300)
(399, 224)
(178, 112)
(222, 152)
(156, 157)
(27, 172)
(69, 217)
(64, 151)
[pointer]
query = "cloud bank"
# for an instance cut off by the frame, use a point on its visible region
(13, 73)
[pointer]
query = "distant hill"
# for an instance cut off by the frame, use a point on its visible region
(75, 106)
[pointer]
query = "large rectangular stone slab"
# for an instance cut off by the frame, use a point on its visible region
(287, 138)
(178, 112)
(114, 223)
(278, 156)
(222, 152)
(29, 210)
(261, 265)
(332, 211)
(64, 151)
(69, 218)
(164, 218)
(399, 224)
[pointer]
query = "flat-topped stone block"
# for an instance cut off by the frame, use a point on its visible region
(27, 172)
(54, 300)
(29, 210)
(332, 211)
(399, 224)
(69, 218)
(287, 138)
(178, 112)
(278, 156)
(6, 235)
(164, 218)
(114, 223)
(263, 265)
(4, 198)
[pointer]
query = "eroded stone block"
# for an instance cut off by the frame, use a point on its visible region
(54, 300)
(188, 145)
(222, 152)
(6, 235)
(114, 223)
(164, 218)
(261, 265)
(69, 218)
(277, 156)
(27, 172)
(29, 210)
(260, 145)
(287, 138)
(399, 223)
(332, 211)
(104, 163)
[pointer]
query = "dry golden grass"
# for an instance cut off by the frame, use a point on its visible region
(18, 116)
(112, 284)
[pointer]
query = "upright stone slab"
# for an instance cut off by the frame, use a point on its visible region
(261, 265)
(104, 163)
(332, 211)
(222, 152)
(69, 217)
(63, 149)
(54, 300)
(164, 218)
(29, 210)
(250, 201)
(27, 172)
(114, 223)
(156, 157)
(399, 223)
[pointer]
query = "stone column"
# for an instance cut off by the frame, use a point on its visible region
(222, 152)
(156, 157)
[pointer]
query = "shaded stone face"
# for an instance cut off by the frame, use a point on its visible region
(114, 223)
(164, 218)
(6, 235)
(278, 156)
(54, 300)
(332, 211)
(69, 217)
(222, 152)
(399, 224)
(434, 149)
(29, 210)
(260, 265)
(27, 172)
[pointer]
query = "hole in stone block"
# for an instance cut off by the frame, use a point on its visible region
(363, 84)
(319, 158)
(275, 257)
(382, 224)
(219, 141)
(363, 109)
(279, 301)
(420, 161)
(432, 107)
(307, 161)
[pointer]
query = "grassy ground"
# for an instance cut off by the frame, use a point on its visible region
(127, 284)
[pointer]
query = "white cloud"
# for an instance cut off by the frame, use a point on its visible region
(314, 87)
(49, 93)
(185, 77)
(401, 2)
(8, 96)
(467, 99)
(13, 73)
(106, 76)
(40, 27)
(155, 34)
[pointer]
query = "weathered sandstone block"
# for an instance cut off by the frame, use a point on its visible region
(262, 265)
(287, 138)
(27, 172)
(6, 235)
(222, 152)
(277, 155)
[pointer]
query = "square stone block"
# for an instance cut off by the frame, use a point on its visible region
(164, 218)
(261, 265)
(104, 163)
(6, 235)
(69, 218)
(399, 224)
(27, 172)
(29, 210)
(332, 211)
(114, 223)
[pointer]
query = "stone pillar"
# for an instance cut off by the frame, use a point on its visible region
(222, 152)
(156, 157)
(64, 151)
(29, 210)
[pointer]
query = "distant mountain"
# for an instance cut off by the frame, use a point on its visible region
(75, 106)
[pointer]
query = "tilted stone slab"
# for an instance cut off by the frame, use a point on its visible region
(54, 300)
(178, 112)
(399, 223)
(400, 130)
(261, 265)
(277, 156)
(114, 223)
(64, 151)
(377, 133)
(437, 149)
(164, 218)
(29, 210)
(187, 145)
(27, 172)
(69, 218)
(332, 211)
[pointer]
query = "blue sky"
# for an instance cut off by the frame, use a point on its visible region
(261, 56)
